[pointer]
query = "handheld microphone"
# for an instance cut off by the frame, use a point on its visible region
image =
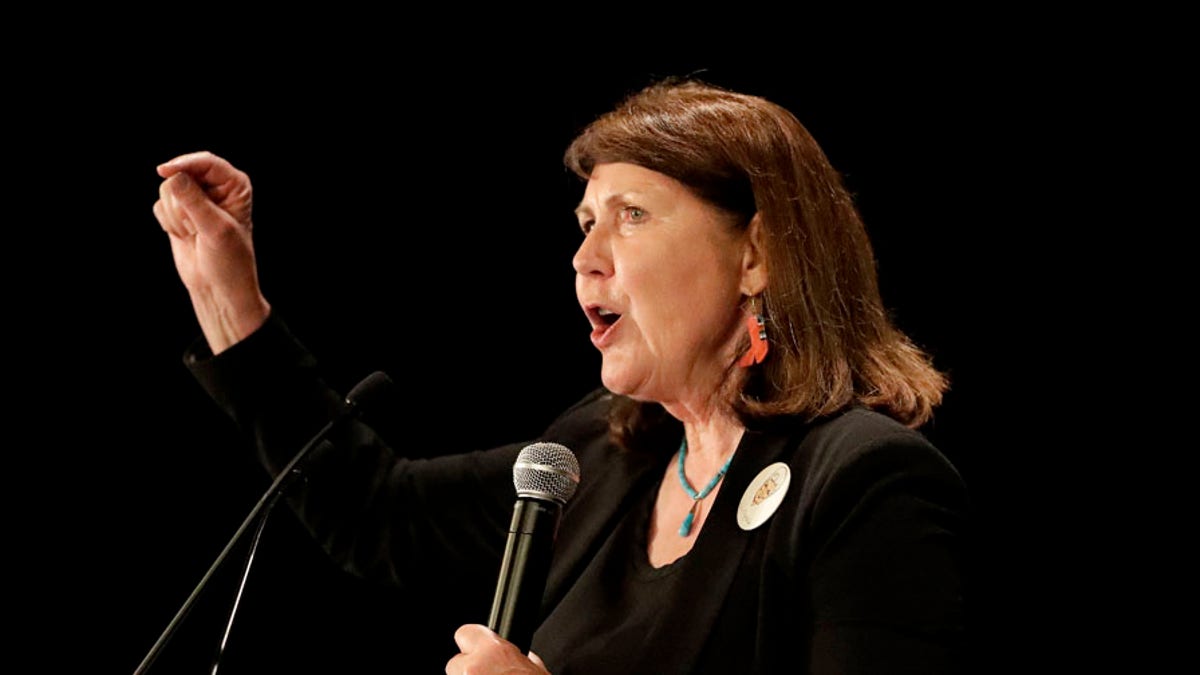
(546, 476)
(369, 390)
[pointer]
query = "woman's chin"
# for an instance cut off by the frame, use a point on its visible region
(615, 380)
(621, 381)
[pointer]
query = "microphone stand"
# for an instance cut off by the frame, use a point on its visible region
(262, 525)
(370, 388)
(265, 503)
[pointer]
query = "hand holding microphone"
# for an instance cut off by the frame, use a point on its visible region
(482, 651)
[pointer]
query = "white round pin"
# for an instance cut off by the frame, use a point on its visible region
(764, 495)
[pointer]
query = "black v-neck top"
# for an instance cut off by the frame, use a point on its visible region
(611, 620)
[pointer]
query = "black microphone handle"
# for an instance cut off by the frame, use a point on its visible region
(516, 608)
(370, 387)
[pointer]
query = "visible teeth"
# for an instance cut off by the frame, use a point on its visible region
(605, 312)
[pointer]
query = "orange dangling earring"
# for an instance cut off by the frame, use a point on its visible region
(758, 340)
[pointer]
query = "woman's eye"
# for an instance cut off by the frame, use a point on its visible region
(633, 213)
(586, 226)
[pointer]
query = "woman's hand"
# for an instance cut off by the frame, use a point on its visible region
(204, 205)
(482, 652)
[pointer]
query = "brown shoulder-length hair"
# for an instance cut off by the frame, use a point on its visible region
(832, 343)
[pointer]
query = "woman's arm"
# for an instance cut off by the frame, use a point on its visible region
(887, 581)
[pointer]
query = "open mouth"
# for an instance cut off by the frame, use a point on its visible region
(605, 317)
(603, 320)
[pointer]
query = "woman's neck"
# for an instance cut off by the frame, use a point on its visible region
(710, 425)
(712, 434)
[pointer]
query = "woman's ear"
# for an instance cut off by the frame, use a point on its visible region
(754, 259)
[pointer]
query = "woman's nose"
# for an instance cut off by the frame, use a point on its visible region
(594, 256)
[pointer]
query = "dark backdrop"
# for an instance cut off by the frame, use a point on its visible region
(417, 220)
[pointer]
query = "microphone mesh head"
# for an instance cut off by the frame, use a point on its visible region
(546, 471)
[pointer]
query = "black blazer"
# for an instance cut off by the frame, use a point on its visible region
(859, 570)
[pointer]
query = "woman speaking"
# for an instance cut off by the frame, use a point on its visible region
(756, 495)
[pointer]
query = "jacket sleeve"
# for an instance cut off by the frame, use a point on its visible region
(387, 518)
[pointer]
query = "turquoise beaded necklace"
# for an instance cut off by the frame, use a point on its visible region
(686, 528)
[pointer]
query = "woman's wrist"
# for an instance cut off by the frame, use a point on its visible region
(225, 323)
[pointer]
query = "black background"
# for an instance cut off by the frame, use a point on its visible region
(413, 216)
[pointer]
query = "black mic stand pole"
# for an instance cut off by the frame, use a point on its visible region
(262, 524)
(371, 386)
(267, 501)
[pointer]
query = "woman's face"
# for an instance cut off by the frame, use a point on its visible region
(660, 276)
